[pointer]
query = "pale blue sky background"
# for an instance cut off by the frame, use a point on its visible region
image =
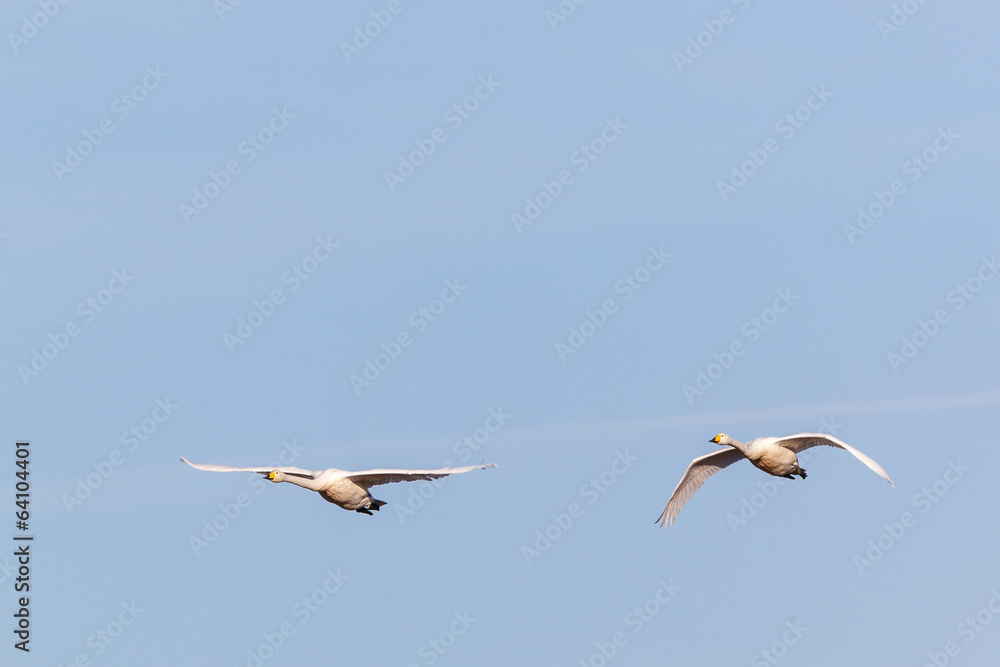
(162, 337)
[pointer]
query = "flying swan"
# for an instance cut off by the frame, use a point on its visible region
(341, 487)
(775, 456)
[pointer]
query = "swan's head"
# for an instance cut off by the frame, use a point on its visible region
(721, 439)
(276, 476)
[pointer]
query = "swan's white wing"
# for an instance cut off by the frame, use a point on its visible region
(288, 470)
(370, 478)
(700, 469)
(801, 441)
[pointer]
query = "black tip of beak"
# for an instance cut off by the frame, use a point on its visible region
(712, 440)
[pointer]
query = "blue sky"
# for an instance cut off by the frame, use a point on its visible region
(618, 234)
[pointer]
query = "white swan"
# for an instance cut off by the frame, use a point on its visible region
(341, 487)
(775, 456)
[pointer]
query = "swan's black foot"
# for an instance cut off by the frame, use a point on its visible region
(377, 504)
(364, 510)
(802, 473)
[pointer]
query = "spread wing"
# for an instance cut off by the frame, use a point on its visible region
(370, 478)
(700, 469)
(288, 470)
(801, 441)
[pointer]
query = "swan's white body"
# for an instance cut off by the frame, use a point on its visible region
(775, 456)
(342, 487)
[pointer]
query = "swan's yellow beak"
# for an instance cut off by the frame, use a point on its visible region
(716, 439)
(270, 475)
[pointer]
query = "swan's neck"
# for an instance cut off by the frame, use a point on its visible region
(738, 445)
(304, 482)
